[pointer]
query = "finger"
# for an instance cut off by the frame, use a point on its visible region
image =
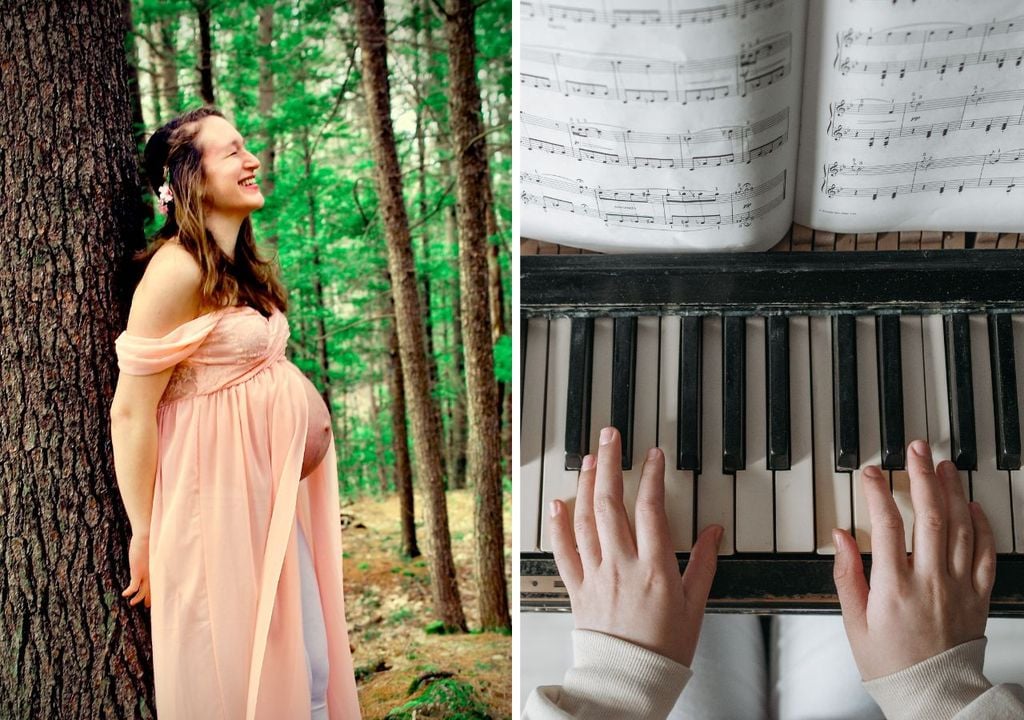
(701, 567)
(984, 552)
(930, 519)
(566, 558)
(587, 541)
(851, 585)
(609, 512)
(132, 587)
(653, 541)
(888, 548)
(960, 532)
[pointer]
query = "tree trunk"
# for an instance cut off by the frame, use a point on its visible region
(400, 441)
(266, 109)
(408, 311)
(457, 422)
(72, 646)
(138, 121)
(378, 445)
(169, 66)
(205, 52)
(483, 453)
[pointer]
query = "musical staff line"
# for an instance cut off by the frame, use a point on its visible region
(928, 162)
(640, 79)
(936, 186)
(614, 145)
(655, 208)
(898, 36)
(534, 10)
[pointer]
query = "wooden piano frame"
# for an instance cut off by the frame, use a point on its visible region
(954, 272)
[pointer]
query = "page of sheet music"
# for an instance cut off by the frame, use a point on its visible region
(913, 116)
(659, 125)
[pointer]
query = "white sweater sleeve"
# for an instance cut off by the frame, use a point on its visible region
(947, 686)
(611, 678)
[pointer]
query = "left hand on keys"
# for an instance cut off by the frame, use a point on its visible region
(627, 586)
(931, 601)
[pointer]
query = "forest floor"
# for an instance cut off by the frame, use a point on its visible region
(389, 609)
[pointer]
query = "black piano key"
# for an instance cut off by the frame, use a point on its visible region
(890, 391)
(624, 383)
(845, 410)
(577, 396)
(734, 350)
(688, 426)
(1004, 391)
(961, 394)
(777, 353)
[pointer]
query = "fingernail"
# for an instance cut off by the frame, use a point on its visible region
(652, 454)
(588, 462)
(837, 541)
(718, 538)
(919, 448)
(606, 435)
(554, 508)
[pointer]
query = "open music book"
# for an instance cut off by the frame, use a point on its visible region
(670, 125)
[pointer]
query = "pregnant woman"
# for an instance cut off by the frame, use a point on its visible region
(225, 458)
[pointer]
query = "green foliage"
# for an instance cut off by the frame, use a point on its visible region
(444, 698)
(437, 627)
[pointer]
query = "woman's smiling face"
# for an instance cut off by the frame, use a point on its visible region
(229, 168)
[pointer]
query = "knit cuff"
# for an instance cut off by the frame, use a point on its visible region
(937, 688)
(616, 679)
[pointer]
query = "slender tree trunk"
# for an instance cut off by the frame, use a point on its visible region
(318, 300)
(168, 29)
(378, 446)
(457, 422)
(400, 442)
(266, 107)
(408, 311)
(138, 121)
(483, 451)
(155, 69)
(205, 52)
(72, 646)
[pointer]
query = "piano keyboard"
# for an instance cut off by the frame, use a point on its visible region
(768, 411)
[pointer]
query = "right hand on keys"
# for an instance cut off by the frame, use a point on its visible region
(625, 586)
(934, 600)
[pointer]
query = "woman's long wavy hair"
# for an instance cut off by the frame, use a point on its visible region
(249, 279)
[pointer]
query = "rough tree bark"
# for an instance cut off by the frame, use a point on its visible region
(483, 446)
(72, 646)
(408, 311)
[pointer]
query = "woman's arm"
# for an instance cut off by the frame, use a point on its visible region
(167, 296)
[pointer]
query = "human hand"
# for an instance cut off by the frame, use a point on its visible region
(627, 586)
(934, 600)
(138, 561)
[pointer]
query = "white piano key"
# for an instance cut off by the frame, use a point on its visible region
(831, 487)
(714, 488)
(794, 488)
(936, 391)
(755, 522)
(557, 482)
(645, 409)
(870, 438)
(915, 420)
(1017, 476)
(601, 381)
(989, 484)
(531, 434)
(678, 483)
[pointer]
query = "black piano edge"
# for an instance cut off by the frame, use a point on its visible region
(948, 281)
(790, 583)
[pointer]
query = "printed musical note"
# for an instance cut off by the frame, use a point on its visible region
(614, 145)
(654, 208)
(657, 13)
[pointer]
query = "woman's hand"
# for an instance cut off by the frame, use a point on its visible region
(624, 586)
(138, 561)
(934, 600)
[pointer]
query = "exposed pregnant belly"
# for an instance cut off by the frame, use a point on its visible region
(318, 434)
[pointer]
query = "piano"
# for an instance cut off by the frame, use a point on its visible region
(770, 380)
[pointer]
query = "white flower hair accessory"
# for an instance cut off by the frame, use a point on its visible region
(165, 194)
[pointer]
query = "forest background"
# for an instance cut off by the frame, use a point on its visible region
(389, 209)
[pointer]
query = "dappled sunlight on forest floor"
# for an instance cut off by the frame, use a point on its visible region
(389, 609)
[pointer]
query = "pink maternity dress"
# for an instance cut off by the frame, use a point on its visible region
(224, 559)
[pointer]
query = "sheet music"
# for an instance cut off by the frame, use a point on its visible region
(659, 125)
(913, 116)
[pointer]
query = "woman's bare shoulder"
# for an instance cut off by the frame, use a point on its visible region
(168, 294)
